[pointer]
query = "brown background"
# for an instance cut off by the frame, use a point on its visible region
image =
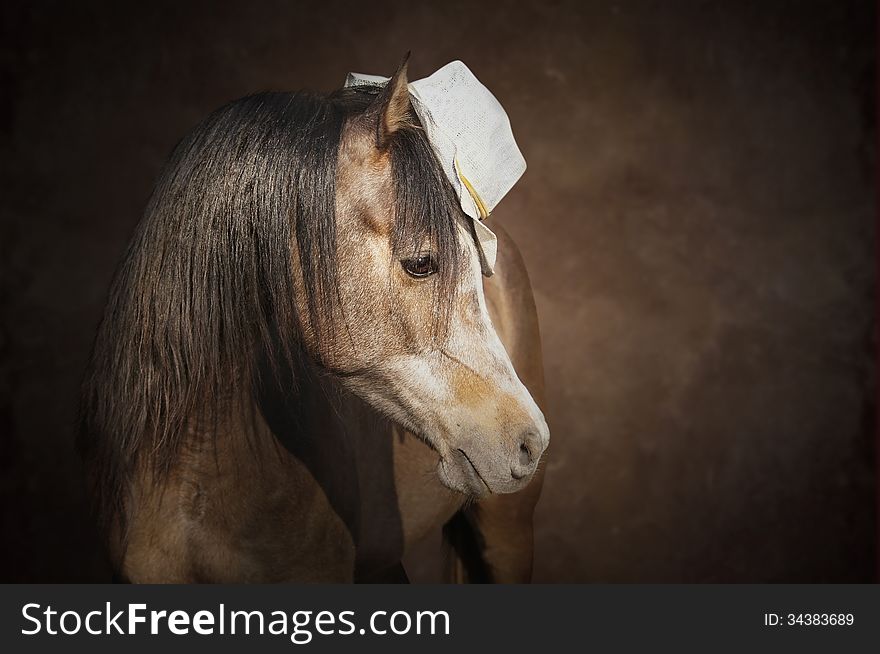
(697, 217)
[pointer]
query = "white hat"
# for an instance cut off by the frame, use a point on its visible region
(470, 133)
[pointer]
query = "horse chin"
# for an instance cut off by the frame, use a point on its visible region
(462, 477)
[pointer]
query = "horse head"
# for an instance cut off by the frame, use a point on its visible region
(408, 328)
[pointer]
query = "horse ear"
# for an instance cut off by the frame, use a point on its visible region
(393, 106)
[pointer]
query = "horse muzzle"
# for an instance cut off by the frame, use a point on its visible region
(481, 466)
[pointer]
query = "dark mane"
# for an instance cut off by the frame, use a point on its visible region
(206, 285)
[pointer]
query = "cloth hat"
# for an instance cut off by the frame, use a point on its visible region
(471, 135)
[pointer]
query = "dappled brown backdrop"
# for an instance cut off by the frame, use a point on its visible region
(697, 217)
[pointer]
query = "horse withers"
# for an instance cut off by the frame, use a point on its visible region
(301, 371)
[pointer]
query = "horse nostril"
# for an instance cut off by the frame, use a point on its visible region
(525, 456)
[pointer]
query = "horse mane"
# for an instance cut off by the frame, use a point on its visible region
(205, 289)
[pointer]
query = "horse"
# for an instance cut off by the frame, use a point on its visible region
(301, 370)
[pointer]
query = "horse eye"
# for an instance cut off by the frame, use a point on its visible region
(422, 265)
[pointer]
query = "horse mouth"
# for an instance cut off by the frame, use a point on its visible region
(474, 474)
